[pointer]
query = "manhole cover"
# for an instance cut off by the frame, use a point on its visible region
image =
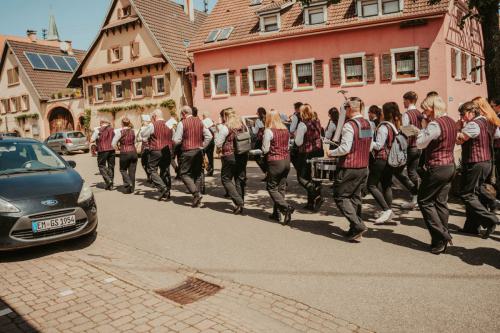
(190, 291)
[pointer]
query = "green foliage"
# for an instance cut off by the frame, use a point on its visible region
(168, 104)
(87, 118)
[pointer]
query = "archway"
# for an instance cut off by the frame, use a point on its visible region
(60, 120)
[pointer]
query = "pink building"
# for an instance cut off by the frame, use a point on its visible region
(273, 53)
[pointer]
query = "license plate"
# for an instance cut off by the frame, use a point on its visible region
(53, 223)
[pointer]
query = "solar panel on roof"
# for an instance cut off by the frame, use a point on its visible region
(72, 62)
(49, 61)
(225, 33)
(35, 60)
(212, 36)
(63, 65)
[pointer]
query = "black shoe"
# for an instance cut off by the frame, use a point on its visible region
(318, 201)
(196, 201)
(309, 205)
(164, 194)
(238, 210)
(226, 195)
(128, 190)
(288, 215)
(109, 186)
(469, 232)
(356, 234)
(489, 231)
(439, 248)
(275, 216)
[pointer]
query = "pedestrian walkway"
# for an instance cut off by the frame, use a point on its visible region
(107, 286)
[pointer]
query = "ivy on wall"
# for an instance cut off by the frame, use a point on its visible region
(168, 104)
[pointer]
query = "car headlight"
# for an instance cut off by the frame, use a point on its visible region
(85, 193)
(7, 207)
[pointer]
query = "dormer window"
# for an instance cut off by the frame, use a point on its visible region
(390, 6)
(315, 15)
(369, 8)
(126, 11)
(270, 23)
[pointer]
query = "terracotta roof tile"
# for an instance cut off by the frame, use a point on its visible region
(243, 17)
(45, 82)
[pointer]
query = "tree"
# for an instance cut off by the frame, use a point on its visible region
(486, 11)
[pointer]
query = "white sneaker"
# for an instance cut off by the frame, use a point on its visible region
(411, 204)
(386, 216)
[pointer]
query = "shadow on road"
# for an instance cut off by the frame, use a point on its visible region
(11, 321)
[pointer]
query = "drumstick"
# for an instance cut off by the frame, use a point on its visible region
(330, 142)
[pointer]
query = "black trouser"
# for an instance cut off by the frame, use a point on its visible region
(497, 171)
(433, 201)
(380, 183)
(476, 198)
(347, 195)
(191, 169)
(411, 181)
(234, 177)
(128, 165)
(144, 161)
(106, 165)
(260, 160)
(160, 159)
(276, 183)
(304, 175)
(209, 152)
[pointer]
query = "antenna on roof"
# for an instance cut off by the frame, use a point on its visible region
(44, 34)
(205, 3)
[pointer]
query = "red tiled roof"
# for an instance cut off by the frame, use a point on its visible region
(4, 38)
(245, 20)
(272, 6)
(121, 66)
(45, 82)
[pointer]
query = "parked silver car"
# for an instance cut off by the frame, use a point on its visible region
(68, 142)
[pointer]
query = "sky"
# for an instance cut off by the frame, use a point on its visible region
(77, 20)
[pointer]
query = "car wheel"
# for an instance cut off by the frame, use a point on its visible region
(64, 151)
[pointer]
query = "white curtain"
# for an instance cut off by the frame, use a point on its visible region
(354, 70)
(304, 70)
(260, 75)
(405, 65)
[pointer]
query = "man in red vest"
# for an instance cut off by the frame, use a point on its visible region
(103, 137)
(352, 169)
(193, 138)
(159, 137)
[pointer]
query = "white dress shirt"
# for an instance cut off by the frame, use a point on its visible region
(300, 133)
(381, 137)
(266, 141)
(207, 136)
(294, 124)
(221, 135)
(347, 138)
(95, 134)
(426, 135)
(148, 130)
(207, 122)
(330, 130)
(118, 136)
(258, 125)
(405, 120)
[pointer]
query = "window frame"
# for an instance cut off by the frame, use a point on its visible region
(413, 49)
(380, 8)
(134, 88)
(262, 23)
(315, 8)
(253, 91)
(6, 107)
(96, 99)
(14, 69)
(295, 78)
(120, 56)
(25, 106)
(343, 77)
(478, 71)
(212, 83)
(129, 7)
(468, 66)
(114, 85)
(155, 85)
(458, 65)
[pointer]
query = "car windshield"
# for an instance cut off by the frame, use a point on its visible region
(25, 157)
(75, 135)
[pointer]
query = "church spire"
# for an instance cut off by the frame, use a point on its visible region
(53, 33)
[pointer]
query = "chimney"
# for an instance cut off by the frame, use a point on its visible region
(31, 35)
(189, 9)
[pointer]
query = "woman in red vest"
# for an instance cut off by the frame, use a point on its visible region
(438, 138)
(234, 166)
(380, 177)
(124, 140)
(275, 146)
(308, 139)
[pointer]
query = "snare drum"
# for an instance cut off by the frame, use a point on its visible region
(323, 169)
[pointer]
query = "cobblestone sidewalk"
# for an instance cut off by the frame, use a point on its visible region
(110, 287)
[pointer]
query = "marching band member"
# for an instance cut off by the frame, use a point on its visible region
(193, 137)
(275, 146)
(103, 137)
(258, 131)
(352, 171)
(209, 151)
(233, 170)
(124, 141)
(495, 104)
(295, 117)
(438, 138)
(159, 135)
(380, 176)
(308, 141)
(146, 119)
(331, 127)
(412, 116)
(374, 115)
(475, 138)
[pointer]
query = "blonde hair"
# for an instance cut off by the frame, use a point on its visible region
(273, 120)
(306, 112)
(436, 104)
(486, 110)
(231, 120)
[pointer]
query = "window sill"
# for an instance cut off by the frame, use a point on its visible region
(138, 97)
(409, 79)
(268, 32)
(115, 61)
(99, 102)
(259, 92)
(458, 78)
(13, 84)
(478, 83)
(353, 84)
(303, 88)
(220, 96)
(118, 99)
(159, 95)
(312, 26)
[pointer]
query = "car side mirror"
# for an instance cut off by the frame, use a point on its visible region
(72, 164)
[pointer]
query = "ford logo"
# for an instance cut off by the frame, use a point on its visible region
(49, 202)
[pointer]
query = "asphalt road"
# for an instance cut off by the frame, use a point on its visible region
(388, 283)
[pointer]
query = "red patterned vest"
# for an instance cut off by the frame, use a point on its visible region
(383, 153)
(192, 136)
(496, 142)
(359, 155)
(127, 141)
(278, 149)
(440, 151)
(105, 139)
(162, 136)
(312, 137)
(478, 149)
(228, 146)
(415, 118)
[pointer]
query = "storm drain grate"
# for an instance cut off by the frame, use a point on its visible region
(190, 291)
